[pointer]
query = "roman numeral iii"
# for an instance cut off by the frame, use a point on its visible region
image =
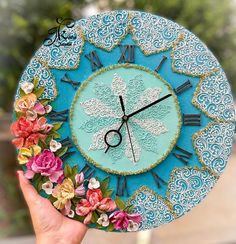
(122, 186)
(182, 155)
(180, 89)
(127, 54)
(192, 119)
(94, 60)
(74, 84)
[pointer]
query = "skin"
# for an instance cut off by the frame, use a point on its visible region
(50, 226)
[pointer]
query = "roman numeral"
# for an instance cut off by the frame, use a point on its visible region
(182, 155)
(122, 186)
(180, 89)
(59, 116)
(67, 142)
(192, 119)
(74, 84)
(158, 180)
(94, 60)
(164, 58)
(88, 171)
(127, 54)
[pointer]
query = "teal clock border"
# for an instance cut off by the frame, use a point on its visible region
(173, 141)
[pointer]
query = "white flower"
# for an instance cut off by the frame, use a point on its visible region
(48, 187)
(31, 115)
(27, 87)
(71, 214)
(132, 226)
(54, 145)
(103, 220)
(93, 184)
(48, 108)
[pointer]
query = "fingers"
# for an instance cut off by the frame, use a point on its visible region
(30, 194)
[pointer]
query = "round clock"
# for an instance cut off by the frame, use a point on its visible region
(124, 120)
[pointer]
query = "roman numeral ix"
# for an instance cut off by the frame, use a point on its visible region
(127, 54)
(74, 84)
(192, 119)
(185, 86)
(122, 186)
(59, 116)
(182, 155)
(94, 60)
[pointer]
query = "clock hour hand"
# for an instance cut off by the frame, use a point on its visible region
(149, 105)
(116, 131)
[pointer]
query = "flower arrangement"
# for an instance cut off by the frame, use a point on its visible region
(88, 200)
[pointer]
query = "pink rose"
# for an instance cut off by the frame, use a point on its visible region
(92, 202)
(121, 219)
(47, 164)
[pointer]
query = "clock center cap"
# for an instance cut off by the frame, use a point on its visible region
(125, 118)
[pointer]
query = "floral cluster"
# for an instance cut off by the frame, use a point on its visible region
(87, 200)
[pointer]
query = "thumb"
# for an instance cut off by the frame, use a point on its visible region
(30, 194)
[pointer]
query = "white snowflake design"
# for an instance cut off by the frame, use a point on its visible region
(106, 114)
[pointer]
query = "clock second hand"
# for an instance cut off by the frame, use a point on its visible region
(132, 148)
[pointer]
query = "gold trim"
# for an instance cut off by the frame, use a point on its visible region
(146, 188)
(53, 78)
(200, 133)
(173, 142)
(194, 100)
(173, 172)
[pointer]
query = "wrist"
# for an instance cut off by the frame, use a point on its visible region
(46, 239)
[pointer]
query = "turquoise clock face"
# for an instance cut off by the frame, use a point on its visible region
(149, 134)
(141, 102)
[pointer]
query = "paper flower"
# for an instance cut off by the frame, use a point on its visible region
(54, 145)
(47, 164)
(26, 153)
(121, 219)
(27, 87)
(93, 184)
(79, 178)
(64, 192)
(25, 103)
(93, 201)
(103, 220)
(47, 187)
(133, 226)
(28, 132)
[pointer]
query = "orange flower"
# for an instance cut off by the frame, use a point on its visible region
(25, 103)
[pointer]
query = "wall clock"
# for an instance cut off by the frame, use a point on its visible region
(124, 120)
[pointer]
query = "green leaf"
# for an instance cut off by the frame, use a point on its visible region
(104, 184)
(61, 151)
(35, 82)
(37, 182)
(119, 203)
(44, 102)
(21, 93)
(48, 139)
(95, 217)
(110, 227)
(42, 144)
(55, 135)
(129, 209)
(19, 114)
(108, 193)
(51, 198)
(67, 171)
(39, 91)
(57, 125)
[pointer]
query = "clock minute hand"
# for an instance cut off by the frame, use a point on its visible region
(149, 105)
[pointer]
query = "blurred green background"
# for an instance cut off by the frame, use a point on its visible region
(24, 25)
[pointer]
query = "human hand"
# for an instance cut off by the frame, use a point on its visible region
(50, 226)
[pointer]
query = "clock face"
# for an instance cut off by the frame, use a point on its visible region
(119, 146)
(135, 120)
